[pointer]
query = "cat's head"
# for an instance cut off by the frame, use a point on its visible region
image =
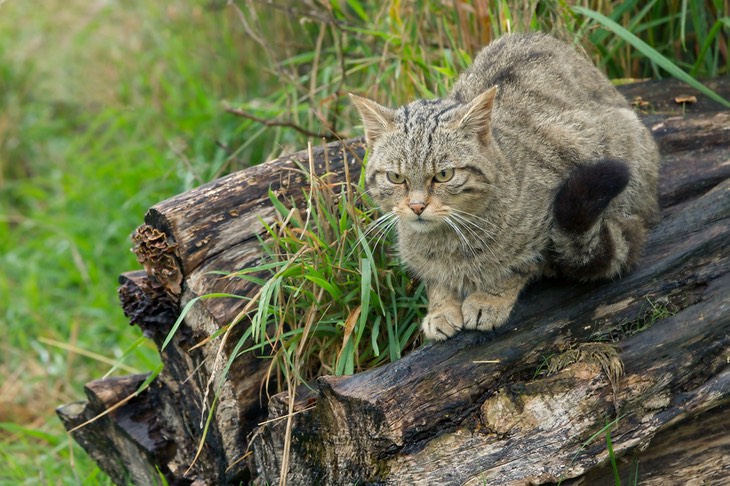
(429, 161)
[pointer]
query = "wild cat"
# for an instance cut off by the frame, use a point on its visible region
(533, 162)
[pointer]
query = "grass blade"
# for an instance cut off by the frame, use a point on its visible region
(711, 37)
(612, 457)
(651, 53)
(186, 310)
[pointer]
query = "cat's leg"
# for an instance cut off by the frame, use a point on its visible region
(444, 314)
(588, 243)
(488, 309)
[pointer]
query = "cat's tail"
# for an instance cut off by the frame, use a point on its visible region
(590, 242)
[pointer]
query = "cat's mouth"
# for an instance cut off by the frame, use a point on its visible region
(421, 223)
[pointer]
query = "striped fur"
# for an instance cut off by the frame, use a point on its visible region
(529, 120)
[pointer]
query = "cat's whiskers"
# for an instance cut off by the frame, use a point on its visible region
(379, 226)
(377, 230)
(386, 229)
(479, 236)
(380, 221)
(477, 230)
(487, 240)
(469, 218)
(460, 234)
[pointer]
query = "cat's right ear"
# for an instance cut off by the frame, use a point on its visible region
(377, 118)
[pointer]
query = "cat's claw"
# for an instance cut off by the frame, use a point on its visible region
(485, 312)
(443, 323)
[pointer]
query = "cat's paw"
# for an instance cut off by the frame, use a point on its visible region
(485, 312)
(442, 323)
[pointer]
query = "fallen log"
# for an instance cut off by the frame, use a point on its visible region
(443, 416)
(475, 409)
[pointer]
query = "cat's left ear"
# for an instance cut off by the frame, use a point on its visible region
(476, 116)
(377, 118)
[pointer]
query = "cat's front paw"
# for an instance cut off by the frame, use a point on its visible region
(440, 324)
(485, 312)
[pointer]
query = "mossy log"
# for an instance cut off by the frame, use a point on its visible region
(476, 409)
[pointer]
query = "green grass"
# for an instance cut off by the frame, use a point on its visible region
(335, 300)
(101, 116)
(106, 109)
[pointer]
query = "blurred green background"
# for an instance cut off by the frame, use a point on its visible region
(108, 107)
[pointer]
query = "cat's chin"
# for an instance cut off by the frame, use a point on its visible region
(420, 225)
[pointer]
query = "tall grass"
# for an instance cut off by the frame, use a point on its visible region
(396, 51)
(104, 111)
(107, 108)
(337, 301)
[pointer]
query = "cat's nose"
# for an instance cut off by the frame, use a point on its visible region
(417, 207)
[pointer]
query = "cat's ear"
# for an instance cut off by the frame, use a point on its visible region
(377, 118)
(476, 116)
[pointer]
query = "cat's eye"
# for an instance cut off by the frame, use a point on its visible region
(395, 177)
(444, 175)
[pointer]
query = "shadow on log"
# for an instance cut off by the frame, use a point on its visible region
(476, 409)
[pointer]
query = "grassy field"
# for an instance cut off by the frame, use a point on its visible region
(104, 111)
(107, 108)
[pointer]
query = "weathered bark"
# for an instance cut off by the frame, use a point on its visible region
(119, 455)
(695, 451)
(437, 415)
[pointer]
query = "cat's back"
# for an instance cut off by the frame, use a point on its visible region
(536, 68)
(553, 111)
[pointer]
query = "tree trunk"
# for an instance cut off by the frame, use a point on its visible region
(647, 354)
